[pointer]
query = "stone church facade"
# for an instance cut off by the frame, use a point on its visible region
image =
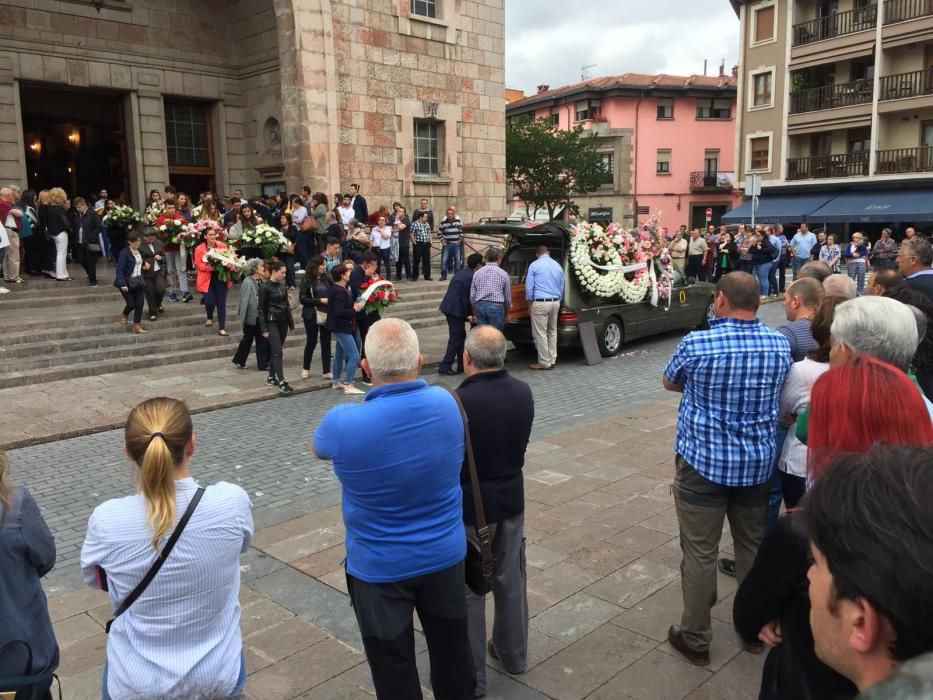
(404, 97)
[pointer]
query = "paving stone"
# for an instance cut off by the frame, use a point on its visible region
(85, 685)
(653, 616)
(82, 655)
(573, 537)
(740, 679)
(308, 543)
(655, 675)
(75, 629)
(633, 582)
(588, 663)
(297, 526)
(724, 647)
(575, 511)
(321, 562)
(76, 603)
(285, 638)
(255, 564)
(668, 554)
(560, 581)
(574, 617)
(541, 557)
(336, 579)
(639, 539)
(262, 615)
(302, 671)
(338, 688)
(602, 558)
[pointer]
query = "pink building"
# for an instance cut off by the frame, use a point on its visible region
(667, 143)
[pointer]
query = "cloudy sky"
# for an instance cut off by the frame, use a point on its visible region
(547, 41)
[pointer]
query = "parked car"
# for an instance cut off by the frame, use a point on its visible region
(616, 322)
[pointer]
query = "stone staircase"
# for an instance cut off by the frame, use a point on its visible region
(52, 331)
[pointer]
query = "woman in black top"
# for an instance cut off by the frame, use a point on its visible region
(275, 320)
(287, 256)
(58, 229)
(727, 255)
(762, 253)
(315, 288)
(341, 321)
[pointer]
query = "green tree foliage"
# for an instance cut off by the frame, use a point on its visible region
(546, 165)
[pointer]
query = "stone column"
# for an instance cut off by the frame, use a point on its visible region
(12, 155)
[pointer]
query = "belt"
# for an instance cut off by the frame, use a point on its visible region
(546, 300)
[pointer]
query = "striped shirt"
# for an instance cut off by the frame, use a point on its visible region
(181, 638)
(800, 337)
(731, 376)
(451, 231)
(491, 283)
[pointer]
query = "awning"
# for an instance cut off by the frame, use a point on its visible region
(779, 209)
(877, 206)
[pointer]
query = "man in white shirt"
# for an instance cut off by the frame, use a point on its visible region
(345, 211)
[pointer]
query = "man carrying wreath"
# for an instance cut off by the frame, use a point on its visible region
(176, 264)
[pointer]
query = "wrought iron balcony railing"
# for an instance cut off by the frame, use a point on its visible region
(828, 166)
(834, 25)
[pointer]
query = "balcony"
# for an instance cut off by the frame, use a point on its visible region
(839, 24)
(913, 84)
(906, 160)
(858, 92)
(902, 10)
(828, 166)
(703, 181)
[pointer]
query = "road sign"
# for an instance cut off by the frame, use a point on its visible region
(709, 214)
(753, 185)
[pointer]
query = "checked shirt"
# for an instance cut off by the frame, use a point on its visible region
(731, 376)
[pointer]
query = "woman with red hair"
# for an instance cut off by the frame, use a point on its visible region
(853, 407)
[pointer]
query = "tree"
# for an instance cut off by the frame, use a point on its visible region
(547, 165)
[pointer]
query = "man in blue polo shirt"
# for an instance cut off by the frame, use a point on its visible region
(725, 446)
(403, 512)
(801, 245)
(544, 287)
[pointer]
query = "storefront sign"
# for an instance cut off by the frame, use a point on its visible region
(600, 214)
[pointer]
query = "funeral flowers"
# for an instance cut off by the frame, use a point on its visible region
(378, 294)
(122, 216)
(268, 240)
(225, 263)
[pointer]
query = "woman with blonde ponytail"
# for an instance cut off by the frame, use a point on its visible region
(27, 553)
(180, 637)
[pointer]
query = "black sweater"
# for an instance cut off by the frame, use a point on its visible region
(776, 588)
(500, 410)
(762, 252)
(341, 318)
(274, 308)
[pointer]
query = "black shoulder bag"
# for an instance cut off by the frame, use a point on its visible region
(160, 560)
(479, 559)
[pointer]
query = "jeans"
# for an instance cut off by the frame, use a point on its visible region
(236, 692)
(288, 260)
(251, 331)
(312, 330)
(761, 272)
(216, 296)
(384, 259)
(104, 241)
(777, 492)
(490, 313)
(797, 264)
(278, 331)
(856, 271)
(450, 255)
(346, 351)
(134, 298)
(701, 506)
(422, 257)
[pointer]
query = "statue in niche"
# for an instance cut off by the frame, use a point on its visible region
(273, 137)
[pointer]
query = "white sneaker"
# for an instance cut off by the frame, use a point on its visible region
(305, 374)
(350, 389)
(4, 290)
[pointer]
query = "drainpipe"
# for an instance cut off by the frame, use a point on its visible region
(635, 150)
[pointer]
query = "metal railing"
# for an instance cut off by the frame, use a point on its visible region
(838, 24)
(857, 92)
(704, 181)
(827, 166)
(906, 160)
(902, 10)
(913, 84)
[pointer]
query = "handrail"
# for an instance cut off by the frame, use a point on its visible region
(912, 84)
(855, 92)
(838, 24)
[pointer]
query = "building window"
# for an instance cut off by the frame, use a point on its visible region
(763, 25)
(711, 161)
(760, 153)
(554, 117)
(587, 109)
(427, 147)
(664, 161)
(713, 109)
(665, 108)
(761, 89)
(187, 135)
(425, 8)
(608, 162)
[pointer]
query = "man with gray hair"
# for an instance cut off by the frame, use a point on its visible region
(10, 218)
(491, 292)
(403, 512)
(914, 260)
(500, 410)
(839, 285)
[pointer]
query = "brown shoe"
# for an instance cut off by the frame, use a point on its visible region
(538, 365)
(138, 330)
(675, 636)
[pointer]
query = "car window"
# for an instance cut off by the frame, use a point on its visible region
(520, 256)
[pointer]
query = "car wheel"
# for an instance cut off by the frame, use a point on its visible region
(610, 338)
(708, 316)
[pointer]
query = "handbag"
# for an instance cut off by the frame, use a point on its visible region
(479, 560)
(135, 283)
(29, 685)
(160, 560)
(320, 317)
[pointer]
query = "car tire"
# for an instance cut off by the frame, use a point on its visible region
(708, 316)
(611, 337)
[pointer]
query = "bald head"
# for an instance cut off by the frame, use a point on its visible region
(392, 353)
(484, 350)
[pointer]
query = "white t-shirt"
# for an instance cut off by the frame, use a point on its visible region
(794, 398)
(376, 237)
(346, 213)
(299, 215)
(183, 633)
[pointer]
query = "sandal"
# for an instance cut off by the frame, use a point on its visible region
(222, 332)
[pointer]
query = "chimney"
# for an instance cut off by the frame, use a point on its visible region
(735, 71)
(722, 69)
(704, 66)
(543, 88)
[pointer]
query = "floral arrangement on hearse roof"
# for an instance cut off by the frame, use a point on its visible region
(632, 265)
(225, 263)
(378, 295)
(191, 234)
(270, 241)
(122, 216)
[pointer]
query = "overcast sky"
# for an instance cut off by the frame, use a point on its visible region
(547, 41)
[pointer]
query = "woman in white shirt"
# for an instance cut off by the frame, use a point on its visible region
(795, 396)
(381, 236)
(181, 637)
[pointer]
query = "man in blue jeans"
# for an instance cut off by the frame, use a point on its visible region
(491, 292)
(451, 233)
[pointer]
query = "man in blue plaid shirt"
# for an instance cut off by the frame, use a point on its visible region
(731, 377)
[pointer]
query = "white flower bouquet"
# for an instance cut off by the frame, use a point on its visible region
(225, 263)
(122, 216)
(268, 240)
(169, 230)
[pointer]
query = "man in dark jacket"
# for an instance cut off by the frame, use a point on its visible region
(89, 228)
(457, 308)
(362, 275)
(358, 202)
(500, 410)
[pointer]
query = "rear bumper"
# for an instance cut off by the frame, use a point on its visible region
(519, 333)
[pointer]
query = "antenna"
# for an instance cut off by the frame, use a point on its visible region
(583, 69)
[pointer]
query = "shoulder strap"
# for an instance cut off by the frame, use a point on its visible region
(160, 560)
(482, 529)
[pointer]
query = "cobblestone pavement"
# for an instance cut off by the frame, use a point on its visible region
(603, 556)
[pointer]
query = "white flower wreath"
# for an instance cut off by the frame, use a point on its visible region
(606, 283)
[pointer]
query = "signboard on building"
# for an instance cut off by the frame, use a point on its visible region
(599, 215)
